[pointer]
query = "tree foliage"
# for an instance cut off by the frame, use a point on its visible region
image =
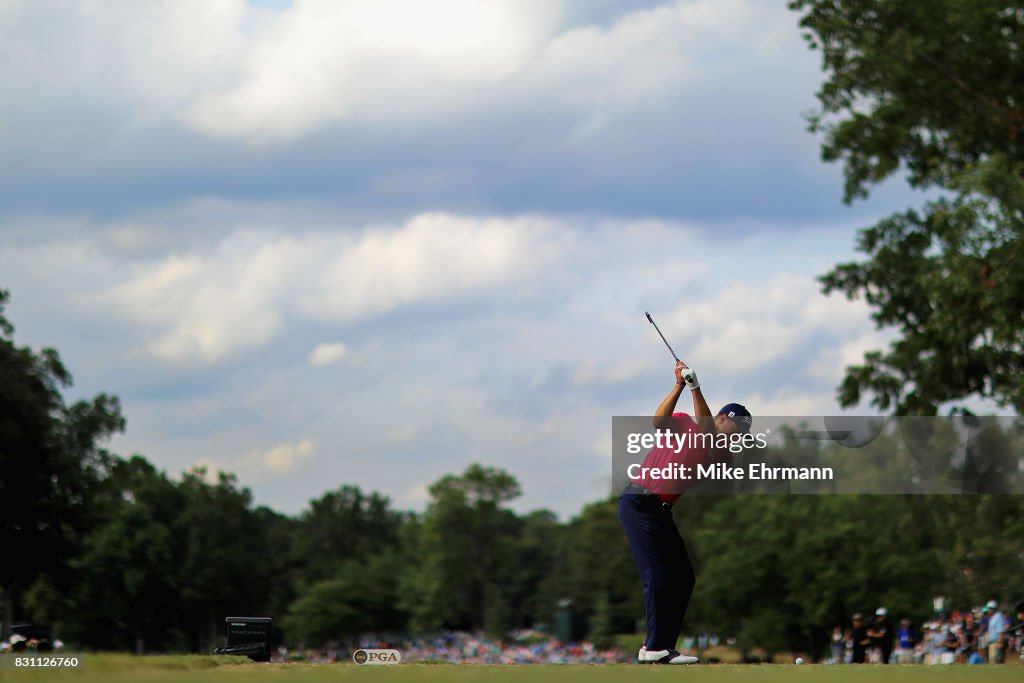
(51, 463)
(467, 550)
(932, 89)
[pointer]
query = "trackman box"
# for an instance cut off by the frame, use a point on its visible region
(249, 636)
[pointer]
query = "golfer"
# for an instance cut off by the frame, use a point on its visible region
(645, 510)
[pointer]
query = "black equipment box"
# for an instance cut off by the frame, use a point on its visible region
(249, 636)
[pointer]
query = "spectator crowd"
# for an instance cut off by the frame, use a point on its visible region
(981, 635)
(524, 647)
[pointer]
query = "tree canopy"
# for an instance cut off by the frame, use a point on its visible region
(931, 90)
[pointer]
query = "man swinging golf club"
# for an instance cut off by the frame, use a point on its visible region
(645, 510)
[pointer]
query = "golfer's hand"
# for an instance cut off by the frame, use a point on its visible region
(679, 372)
(686, 375)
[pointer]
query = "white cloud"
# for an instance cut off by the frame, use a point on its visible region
(322, 62)
(417, 494)
(433, 256)
(209, 469)
(209, 304)
(833, 361)
(750, 325)
(396, 107)
(789, 401)
(235, 70)
(262, 465)
(327, 354)
(406, 434)
(595, 372)
(206, 305)
(328, 62)
(284, 458)
(149, 57)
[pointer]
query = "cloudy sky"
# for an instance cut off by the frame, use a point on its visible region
(319, 242)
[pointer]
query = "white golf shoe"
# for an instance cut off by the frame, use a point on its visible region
(663, 657)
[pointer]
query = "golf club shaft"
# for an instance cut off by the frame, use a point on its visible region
(662, 336)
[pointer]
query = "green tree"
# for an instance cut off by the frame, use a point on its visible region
(982, 557)
(361, 598)
(224, 564)
(127, 574)
(348, 564)
(340, 526)
(934, 89)
(594, 570)
(281, 581)
(51, 463)
(781, 571)
(534, 552)
(465, 550)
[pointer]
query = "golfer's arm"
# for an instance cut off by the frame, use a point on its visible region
(663, 415)
(703, 414)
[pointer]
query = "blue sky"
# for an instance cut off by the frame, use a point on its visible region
(333, 242)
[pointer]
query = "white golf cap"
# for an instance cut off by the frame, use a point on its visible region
(880, 612)
(17, 638)
(991, 604)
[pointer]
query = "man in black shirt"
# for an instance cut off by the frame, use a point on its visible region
(861, 640)
(881, 634)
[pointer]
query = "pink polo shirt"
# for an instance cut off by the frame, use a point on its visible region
(669, 490)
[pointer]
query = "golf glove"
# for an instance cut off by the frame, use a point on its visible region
(690, 378)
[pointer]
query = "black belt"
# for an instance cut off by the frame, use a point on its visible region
(635, 489)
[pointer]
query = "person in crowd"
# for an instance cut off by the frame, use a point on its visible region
(906, 640)
(861, 640)
(838, 644)
(881, 635)
(968, 637)
(951, 644)
(19, 643)
(1018, 632)
(994, 633)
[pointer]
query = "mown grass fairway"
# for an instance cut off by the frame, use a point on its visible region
(185, 669)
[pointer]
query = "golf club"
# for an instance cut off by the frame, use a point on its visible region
(662, 336)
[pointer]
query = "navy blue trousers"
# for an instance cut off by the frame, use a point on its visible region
(664, 566)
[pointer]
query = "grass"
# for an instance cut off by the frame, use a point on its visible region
(203, 669)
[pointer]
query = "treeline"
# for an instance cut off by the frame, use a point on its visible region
(114, 554)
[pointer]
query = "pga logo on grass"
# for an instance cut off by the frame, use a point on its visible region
(371, 656)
